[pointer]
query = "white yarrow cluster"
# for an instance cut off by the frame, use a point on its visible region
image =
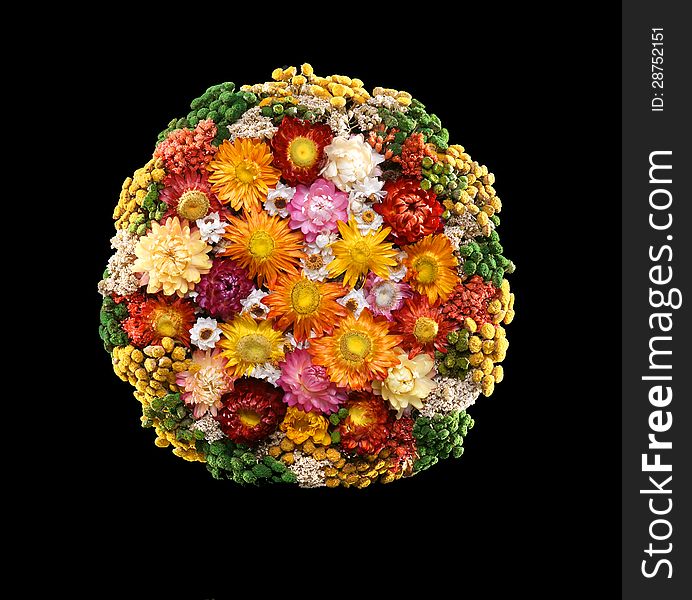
(450, 395)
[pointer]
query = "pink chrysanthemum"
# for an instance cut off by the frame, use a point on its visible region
(384, 295)
(188, 149)
(189, 196)
(205, 382)
(316, 209)
(308, 385)
(222, 289)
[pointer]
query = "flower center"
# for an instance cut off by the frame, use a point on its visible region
(360, 252)
(302, 424)
(426, 269)
(254, 348)
(351, 304)
(355, 346)
(305, 297)
(261, 245)
(193, 205)
(257, 310)
(359, 415)
(314, 261)
(166, 323)
(205, 334)
(385, 294)
(425, 329)
(368, 216)
(302, 152)
(249, 418)
(246, 171)
(280, 202)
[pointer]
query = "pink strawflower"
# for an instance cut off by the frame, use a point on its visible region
(221, 290)
(307, 385)
(316, 209)
(188, 149)
(384, 295)
(178, 194)
(205, 382)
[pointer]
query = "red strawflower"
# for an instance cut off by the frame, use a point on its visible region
(410, 211)
(155, 317)
(470, 299)
(252, 411)
(424, 327)
(412, 152)
(403, 444)
(189, 196)
(298, 148)
(366, 428)
(188, 149)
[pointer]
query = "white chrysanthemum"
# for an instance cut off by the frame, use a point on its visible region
(295, 343)
(211, 227)
(408, 383)
(322, 242)
(205, 333)
(350, 161)
(266, 371)
(368, 220)
(278, 199)
(354, 301)
(253, 306)
(370, 187)
(399, 272)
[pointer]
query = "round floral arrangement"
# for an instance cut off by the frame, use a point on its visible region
(308, 285)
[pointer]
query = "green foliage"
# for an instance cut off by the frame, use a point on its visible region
(277, 110)
(226, 459)
(110, 331)
(484, 257)
(152, 210)
(455, 362)
(172, 414)
(440, 437)
(221, 103)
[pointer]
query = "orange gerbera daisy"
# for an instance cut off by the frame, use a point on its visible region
(241, 173)
(358, 351)
(431, 267)
(305, 304)
(263, 245)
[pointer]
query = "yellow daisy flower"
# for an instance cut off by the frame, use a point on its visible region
(241, 173)
(248, 343)
(356, 254)
(431, 267)
(300, 426)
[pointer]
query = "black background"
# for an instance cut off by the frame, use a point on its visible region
(532, 506)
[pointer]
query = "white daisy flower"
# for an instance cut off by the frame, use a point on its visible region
(211, 228)
(278, 199)
(357, 203)
(368, 220)
(315, 265)
(354, 301)
(253, 306)
(205, 333)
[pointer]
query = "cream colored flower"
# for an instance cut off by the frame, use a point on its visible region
(407, 383)
(172, 258)
(350, 162)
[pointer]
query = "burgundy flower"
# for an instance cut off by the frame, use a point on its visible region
(222, 289)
